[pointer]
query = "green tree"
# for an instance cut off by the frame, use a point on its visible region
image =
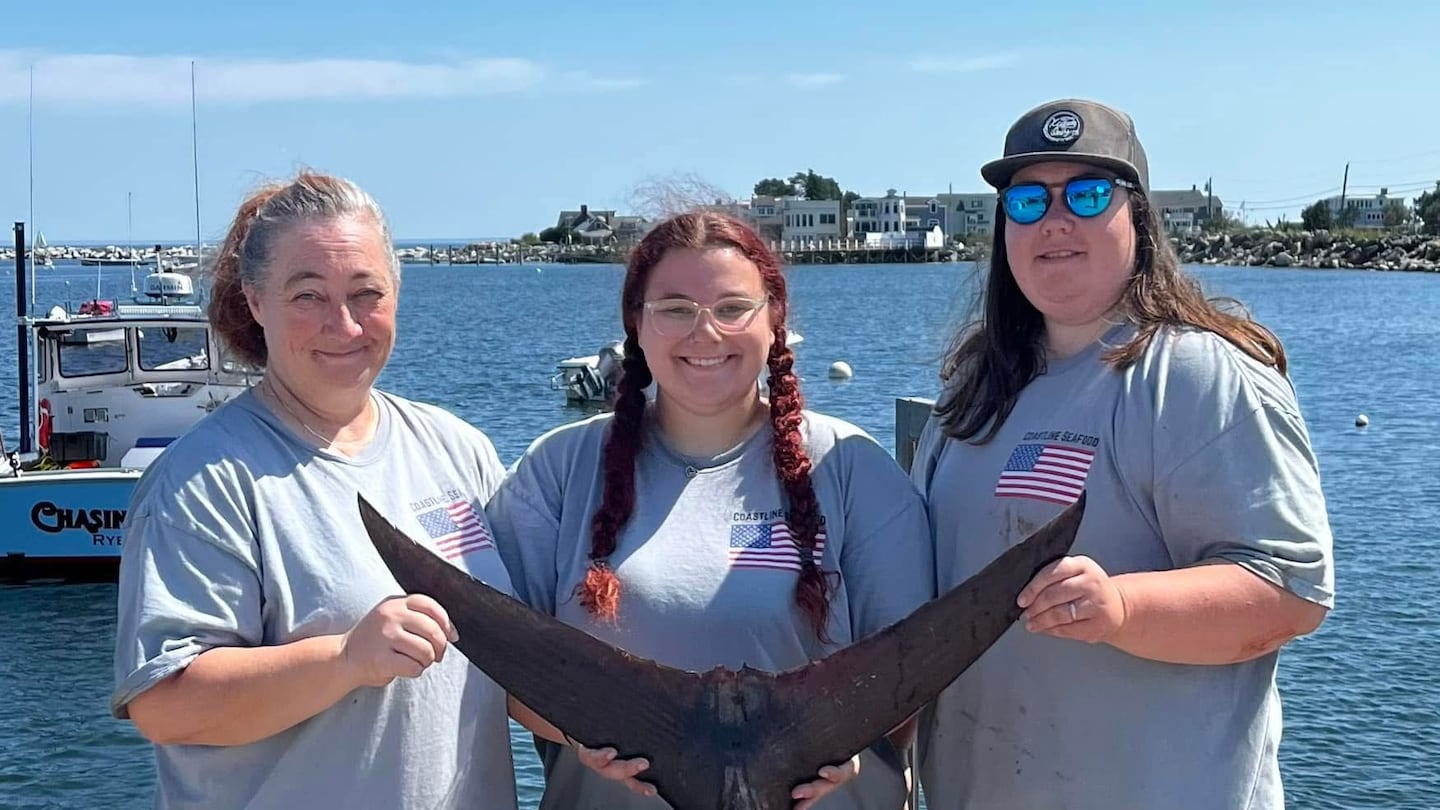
(1346, 217)
(1316, 217)
(807, 184)
(1427, 210)
(529, 238)
(1395, 214)
(774, 187)
(555, 235)
(816, 186)
(1222, 222)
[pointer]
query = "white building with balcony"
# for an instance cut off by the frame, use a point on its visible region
(878, 215)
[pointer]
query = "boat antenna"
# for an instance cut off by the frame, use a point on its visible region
(30, 145)
(195, 160)
(130, 236)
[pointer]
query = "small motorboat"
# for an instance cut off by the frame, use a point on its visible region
(589, 380)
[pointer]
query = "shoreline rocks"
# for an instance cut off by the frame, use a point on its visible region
(1315, 249)
(1250, 248)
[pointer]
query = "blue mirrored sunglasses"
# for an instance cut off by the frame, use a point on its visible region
(1026, 203)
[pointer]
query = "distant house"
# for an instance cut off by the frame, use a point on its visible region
(1185, 211)
(810, 220)
(878, 215)
(924, 214)
(765, 215)
(586, 225)
(970, 214)
(630, 228)
(1369, 209)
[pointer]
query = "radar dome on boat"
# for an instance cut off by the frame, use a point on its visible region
(163, 284)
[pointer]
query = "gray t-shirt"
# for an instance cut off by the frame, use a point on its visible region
(707, 579)
(1195, 452)
(242, 534)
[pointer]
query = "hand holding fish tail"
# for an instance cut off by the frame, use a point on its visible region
(603, 761)
(1073, 598)
(832, 777)
(399, 638)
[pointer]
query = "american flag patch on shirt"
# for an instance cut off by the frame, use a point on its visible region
(1045, 472)
(456, 530)
(768, 545)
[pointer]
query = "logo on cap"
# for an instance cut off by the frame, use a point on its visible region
(1063, 127)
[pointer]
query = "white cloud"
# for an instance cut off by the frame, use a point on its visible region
(969, 64)
(165, 80)
(585, 81)
(814, 79)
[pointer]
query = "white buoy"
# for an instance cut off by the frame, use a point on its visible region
(840, 370)
(1362, 420)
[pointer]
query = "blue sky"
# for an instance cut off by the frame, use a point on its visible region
(483, 119)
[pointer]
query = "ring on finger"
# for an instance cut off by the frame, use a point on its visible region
(1073, 617)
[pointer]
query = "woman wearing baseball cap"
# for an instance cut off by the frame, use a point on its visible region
(1142, 671)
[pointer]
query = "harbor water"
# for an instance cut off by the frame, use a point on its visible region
(1361, 696)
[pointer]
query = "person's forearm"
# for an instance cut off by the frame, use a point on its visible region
(1208, 614)
(238, 695)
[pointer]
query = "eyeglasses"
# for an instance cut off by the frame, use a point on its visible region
(678, 317)
(1086, 197)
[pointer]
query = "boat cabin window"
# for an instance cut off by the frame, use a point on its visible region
(86, 352)
(171, 348)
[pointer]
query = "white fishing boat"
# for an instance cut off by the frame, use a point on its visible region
(99, 414)
(93, 309)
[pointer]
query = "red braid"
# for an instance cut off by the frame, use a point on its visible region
(812, 591)
(600, 593)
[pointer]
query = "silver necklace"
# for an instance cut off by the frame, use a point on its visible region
(275, 395)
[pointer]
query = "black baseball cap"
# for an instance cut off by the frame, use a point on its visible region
(1076, 130)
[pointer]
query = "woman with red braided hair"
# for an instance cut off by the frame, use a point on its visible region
(712, 527)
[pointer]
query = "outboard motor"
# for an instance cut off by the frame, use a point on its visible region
(9, 467)
(612, 357)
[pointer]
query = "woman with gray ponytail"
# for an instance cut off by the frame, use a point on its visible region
(260, 642)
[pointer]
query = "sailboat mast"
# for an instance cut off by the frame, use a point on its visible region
(195, 160)
(130, 236)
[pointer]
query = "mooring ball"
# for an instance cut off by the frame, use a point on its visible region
(840, 370)
(1362, 420)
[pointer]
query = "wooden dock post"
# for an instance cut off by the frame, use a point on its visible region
(911, 414)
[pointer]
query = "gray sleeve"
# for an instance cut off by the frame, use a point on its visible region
(886, 561)
(491, 472)
(1232, 475)
(1251, 495)
(179, 595)
(527, 527)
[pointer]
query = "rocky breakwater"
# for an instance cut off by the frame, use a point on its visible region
(1414, 252)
